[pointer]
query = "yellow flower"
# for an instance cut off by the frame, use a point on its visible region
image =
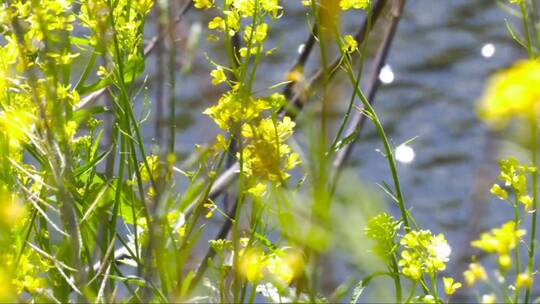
(6, 292)
(259, 35)
(218, 76)
(499, 192)
(245, 7)
(204, 4)
(267, 157)
(411, 264)
(271, 6)
(211, 208)
(251, 264)
(217, 23)
(527, 201)
(505, 261)
(514, 92)
(474, 273)
(11, 209)
(357, 4)
(232, 20)
(16, 124)
(500, 240)
(350, 45)
(427, 253)
(229, 110)
(450, 286)
(295, 75)
(65, 58)
(258, 190)
(524, 280)
(286, 266)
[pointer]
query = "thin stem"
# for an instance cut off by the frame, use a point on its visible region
(253, 292)
(435, 293)
(387, 150)
(358, 78)
(411, 292)
(516, 221)
(532, 241)
(525, 20)
(397, 280)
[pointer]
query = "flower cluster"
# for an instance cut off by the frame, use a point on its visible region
(383, 229)
(127, 21)
(475, 272)
(450, 285)
(514, 176)
(265, 156)
(514, 92)
(29, 274)
(350, 45)
(235, 10)
(283, 265)
(500, 241)
(423, 253)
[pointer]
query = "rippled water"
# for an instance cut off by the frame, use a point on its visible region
(443, 52)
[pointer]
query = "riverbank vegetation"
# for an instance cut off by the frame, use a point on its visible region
(92, 211)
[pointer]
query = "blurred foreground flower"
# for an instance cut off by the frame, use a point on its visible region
(514, 92)
(501, 241)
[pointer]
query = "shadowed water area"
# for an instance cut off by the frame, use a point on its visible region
(441, 57)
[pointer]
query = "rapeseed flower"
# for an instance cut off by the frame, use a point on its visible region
(499, 192)
(450, 286)
(11, 209)
(6, 292)
(229, 109)
(251, 264)
(204, 4)
(514, 92)
(218, 76)
(382, 229)
(350, 44)
(266, 156)
(285, 264)
(476, 272)
(524, 280)
(423, 253)
(16, 126)
(356, 4)
(501, 241)
(259, 35)
(514, 175)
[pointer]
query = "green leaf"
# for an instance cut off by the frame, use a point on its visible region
(345, 141)
(83, 115)
(132, 70)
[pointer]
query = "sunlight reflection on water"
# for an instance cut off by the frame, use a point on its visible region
(488, 50)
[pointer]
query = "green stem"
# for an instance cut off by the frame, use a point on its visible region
(387, 149)
(253, 292)
(434, 292)
(357, 83)
(516, 220)
(397, 280)
(534, 157)
(525, 20)
(411, 292)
